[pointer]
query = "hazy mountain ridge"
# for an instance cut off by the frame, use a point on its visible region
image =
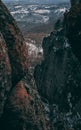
(29, 16)
(39, 2)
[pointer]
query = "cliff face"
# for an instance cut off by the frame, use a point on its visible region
(17, 49)
(5, 73)
(73, 29)
(58, 78)
(73, 33)
(20, 104)
(55, 77)
(23, 108)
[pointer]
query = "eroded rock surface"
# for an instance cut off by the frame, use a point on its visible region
(55, 77)
(58, 78)
(5, 73)
(17, 49)
(21, 107)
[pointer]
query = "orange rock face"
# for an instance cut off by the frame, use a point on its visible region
(20, 96)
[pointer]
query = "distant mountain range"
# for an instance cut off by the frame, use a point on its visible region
(38, 1)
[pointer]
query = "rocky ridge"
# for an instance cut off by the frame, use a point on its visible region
(58, 78)
(21, 107)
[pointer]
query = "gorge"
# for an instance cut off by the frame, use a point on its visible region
(51, 98)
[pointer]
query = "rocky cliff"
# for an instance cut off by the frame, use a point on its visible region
(17, 49)
(58, 78)
(73, 33)
(20, 104)
(73, 28)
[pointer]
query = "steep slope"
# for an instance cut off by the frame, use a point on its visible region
(23, 108)
(55, 77)
(17, 48)
(5, 73)
(20, 104)
(73, 29)
(73, 33)
(58, 78)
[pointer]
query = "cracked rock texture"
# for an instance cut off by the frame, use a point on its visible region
(21, 107)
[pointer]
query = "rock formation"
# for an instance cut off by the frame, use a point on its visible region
(73, 29)
(5, 73)
(20, 104)
(17, 49)
(55, 76)
(73, 33)
(58, 78)
(23, 109)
